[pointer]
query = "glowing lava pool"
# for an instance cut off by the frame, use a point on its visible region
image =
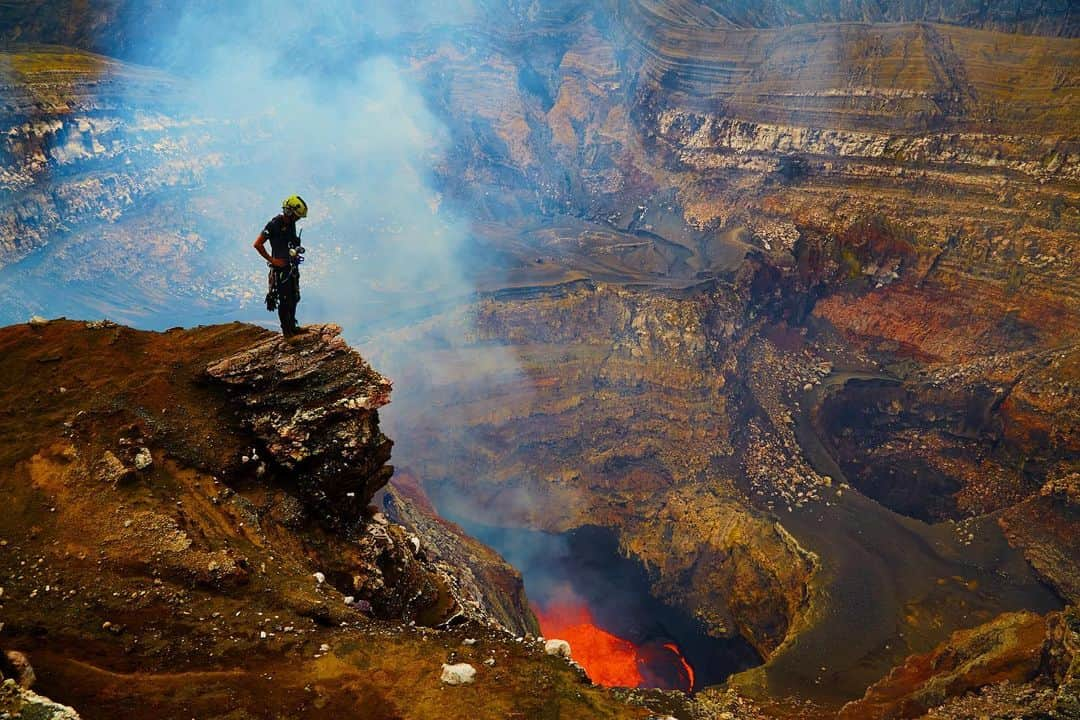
(584, 592)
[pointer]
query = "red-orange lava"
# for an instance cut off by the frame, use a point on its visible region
(609, 660)
(686, 666)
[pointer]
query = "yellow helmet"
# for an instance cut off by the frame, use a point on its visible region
(296, 205)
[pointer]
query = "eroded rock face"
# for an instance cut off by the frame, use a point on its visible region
(1044, 527)
(1007, 649)
(312, 403)
(483, 584)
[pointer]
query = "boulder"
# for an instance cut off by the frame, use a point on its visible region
(17, 667)
(557, 647)
(458, 674)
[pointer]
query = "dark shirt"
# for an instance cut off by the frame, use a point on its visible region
(282, 235)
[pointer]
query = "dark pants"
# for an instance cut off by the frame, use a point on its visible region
(287, 282)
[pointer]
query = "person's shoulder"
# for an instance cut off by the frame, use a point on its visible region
(276, 222)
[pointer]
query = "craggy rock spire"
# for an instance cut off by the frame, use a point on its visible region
(313, 402)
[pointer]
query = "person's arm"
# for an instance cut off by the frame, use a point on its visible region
(260, 247)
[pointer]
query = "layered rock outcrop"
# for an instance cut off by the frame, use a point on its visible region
(1044, 527)
(311, 402)
(1009, 649)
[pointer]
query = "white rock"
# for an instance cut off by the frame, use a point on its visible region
(557, 647)
(459, 674)
(415, 544)
(37, 320)
(324, 648)
(319, 578)
(468, 641)
(262, 634)
(490, 662)
(143, 459)
(349, 599)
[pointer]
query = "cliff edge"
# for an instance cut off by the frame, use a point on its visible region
(187, 533)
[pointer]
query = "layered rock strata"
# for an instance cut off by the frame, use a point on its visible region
(1009, 649)
(85, 139)
(311, 402)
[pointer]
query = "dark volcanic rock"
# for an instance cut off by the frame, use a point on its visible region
(484, 585)
(312, 402)
(1044, 527)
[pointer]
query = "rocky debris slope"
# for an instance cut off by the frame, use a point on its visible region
(311, 403)
(155, 553)
(1044, 526)
(495, 589)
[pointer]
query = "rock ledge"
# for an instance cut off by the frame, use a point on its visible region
(312, 402)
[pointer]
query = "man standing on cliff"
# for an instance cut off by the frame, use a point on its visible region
(284, 260)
